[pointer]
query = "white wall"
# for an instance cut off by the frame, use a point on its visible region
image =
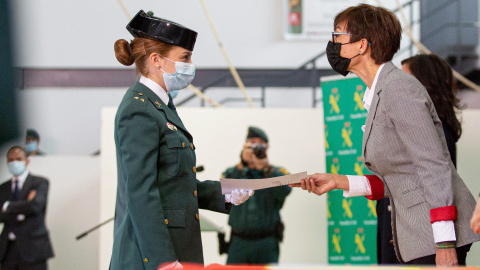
(296, 142)
(66, 34)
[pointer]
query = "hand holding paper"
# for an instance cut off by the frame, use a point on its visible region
(321, 183)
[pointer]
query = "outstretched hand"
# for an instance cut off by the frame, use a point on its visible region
(321, 183)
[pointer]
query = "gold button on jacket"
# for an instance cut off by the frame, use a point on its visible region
(194, 169)
(183, 144)
(195, 194)
(145, 260)
(166, 221)
(197, 217)
(191, 146)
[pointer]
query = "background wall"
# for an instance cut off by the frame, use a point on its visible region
(82, 36)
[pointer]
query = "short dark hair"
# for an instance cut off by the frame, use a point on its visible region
(33, 133)
(436, 76)
(378, 25)
(19, 148)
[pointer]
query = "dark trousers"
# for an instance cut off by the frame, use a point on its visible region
(385, 250)
(430, 260)
(261, 251)
(13, 260)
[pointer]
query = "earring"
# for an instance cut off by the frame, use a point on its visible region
(158, 66)
(359, 52)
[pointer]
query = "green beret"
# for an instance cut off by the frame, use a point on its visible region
(254, 132)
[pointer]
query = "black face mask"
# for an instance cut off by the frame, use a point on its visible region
(338, 63)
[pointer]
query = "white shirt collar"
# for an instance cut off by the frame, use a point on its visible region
(156, 88)
(368, 96)
(21, 179)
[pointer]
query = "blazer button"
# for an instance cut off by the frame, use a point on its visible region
(197, 217)
(195, 193)
(166, 221)
(145, 260)
(194, 169)
(191, 146)
(368, 164)
(389, 208)
(183, 144)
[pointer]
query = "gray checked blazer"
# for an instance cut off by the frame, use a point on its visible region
(405, 146)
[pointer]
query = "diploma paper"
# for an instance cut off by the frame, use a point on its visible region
(255, 184)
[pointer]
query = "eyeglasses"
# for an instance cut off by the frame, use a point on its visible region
(336, 34)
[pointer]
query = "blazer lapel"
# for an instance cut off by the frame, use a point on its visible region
(25, 188)
(157, 102)
(376, 100)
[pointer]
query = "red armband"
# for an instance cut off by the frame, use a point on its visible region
(376, 184)
(443, 214)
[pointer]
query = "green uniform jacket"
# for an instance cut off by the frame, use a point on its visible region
(261, 212)
(158, 195)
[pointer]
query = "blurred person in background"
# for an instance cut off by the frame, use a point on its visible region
(32, 143)
(24, 242)
(257, 228)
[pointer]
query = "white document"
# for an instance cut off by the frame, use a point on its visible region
(228, 185)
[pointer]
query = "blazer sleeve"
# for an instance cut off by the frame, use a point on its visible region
(410, 111)
(138, 142)
(33, 207)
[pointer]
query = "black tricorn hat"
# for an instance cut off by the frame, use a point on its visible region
(145, 25)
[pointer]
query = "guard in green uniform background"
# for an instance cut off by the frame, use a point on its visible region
(256, 225)
(158, 195)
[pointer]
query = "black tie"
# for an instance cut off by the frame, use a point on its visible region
(15, 190)
(170, 105)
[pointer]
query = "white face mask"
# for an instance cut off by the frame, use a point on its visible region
(17, 167)
(183, 76)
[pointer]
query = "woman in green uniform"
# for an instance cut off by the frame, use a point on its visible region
(158, 195)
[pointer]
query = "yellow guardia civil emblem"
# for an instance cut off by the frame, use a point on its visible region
(359, 239)
(335, 167)
(336, 241)
(346, 133)
(346, 204)
(326, 135)
(372, 205)
(333, 100)
(358, 98)
(359, 166)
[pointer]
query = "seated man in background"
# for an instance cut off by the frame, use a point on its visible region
(32, 142)
(24, 242)
(256, 225)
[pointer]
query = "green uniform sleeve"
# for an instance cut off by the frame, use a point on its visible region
(211, 198)
(138, 141)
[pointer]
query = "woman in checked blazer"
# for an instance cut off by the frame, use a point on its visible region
(403, 147)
